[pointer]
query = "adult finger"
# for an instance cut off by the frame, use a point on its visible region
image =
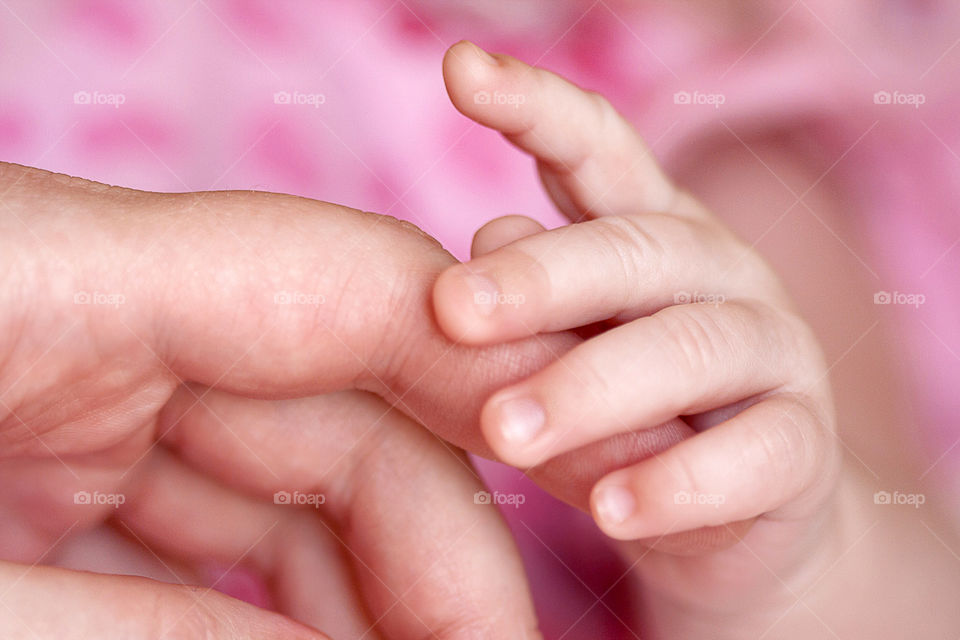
(177, 512)
(260, 294)
(401, 501)
(46, 602)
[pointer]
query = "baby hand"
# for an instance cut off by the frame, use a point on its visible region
(694, 324)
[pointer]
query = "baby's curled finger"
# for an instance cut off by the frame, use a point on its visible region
(614, 267)
(598, 167)
(779, 451)
(502, 231)
(684, 360)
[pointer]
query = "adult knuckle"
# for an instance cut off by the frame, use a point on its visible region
(188, 611)
(400, 311)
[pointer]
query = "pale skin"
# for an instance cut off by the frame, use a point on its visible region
(247, 397)
(334, 398)
(792, 512)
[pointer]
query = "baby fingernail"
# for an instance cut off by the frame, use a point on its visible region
(521, 419)
(615, 504)
(485, 292)
(483, 55)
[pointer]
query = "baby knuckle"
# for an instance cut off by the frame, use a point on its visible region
(590, 374)
(693, 341)
(687, 475)
(802, 342)
(607, 116)
(795, 443)
(630, 245)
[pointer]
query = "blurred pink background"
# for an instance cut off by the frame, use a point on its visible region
(180, 96)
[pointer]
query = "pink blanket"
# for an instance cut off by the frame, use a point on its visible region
(343, 101)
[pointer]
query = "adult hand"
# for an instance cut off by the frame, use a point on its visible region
(174, 349)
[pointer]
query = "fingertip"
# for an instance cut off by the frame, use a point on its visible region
(463, 302)
(466, 52)
(502, 231)
(511, 423)
(481, 54)
(465, 66)
(614, 507)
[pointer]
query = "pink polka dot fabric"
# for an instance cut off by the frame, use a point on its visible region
(344, 101)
